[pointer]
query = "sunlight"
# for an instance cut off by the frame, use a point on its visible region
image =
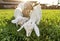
(50, 2)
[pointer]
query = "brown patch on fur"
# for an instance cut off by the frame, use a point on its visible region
(26, 11)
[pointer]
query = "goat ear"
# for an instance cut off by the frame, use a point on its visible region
(36, 29)
(13, 21)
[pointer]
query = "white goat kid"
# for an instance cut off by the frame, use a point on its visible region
(35, 17)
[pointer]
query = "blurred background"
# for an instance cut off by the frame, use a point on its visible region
(45, 4)
(49, 25)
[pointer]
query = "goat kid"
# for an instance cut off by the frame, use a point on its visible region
(35, 17)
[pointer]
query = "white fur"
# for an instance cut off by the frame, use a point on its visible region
(29, 26)
(18, 14)
(35, 17)
(20, 20)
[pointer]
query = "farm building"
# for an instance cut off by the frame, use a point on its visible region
(8, 3)
(13, 4)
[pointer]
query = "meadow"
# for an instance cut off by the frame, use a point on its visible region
(49, 27)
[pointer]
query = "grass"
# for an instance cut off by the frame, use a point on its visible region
(49, 27)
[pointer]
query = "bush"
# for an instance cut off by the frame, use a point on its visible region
(49, 27)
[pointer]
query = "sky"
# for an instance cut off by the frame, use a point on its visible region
(59, 1)
(50, 2)
(54, 2)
